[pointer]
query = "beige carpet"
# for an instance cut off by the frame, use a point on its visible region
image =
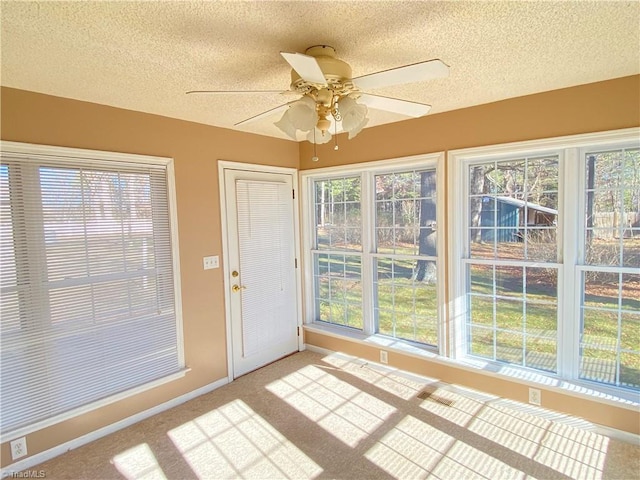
(317, 416)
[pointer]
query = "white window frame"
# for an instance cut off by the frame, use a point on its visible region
(570, 247)
(367, 171)
(103, 158)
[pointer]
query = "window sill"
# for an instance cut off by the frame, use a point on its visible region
(611, 396)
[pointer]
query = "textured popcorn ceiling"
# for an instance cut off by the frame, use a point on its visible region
(145, 55)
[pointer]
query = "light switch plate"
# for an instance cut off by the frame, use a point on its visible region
(211, 262)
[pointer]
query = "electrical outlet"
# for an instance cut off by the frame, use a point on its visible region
(211, 262)
(384, 357)
(18, 448)
(535, 397)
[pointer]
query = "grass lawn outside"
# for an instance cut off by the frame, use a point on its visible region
(513, 311)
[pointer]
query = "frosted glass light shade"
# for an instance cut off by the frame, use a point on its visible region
(354, 116)
(320, 138)
(301, 115)
(286, 125)
(358, 128)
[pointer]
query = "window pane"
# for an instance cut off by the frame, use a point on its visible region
(513, 209)
(482, 243)
(631, 245)
(338, 215)
(542, 319)
(509, 244)
(630, 369)
(542, 284)
(481, 342)
(599, 329)
(406, 306)
(338, 289)
(541, 353)
(405, 290)
(542, 176)
(601, 289)
(481, 277)
(610, 329)
(598, 364)
(481, 311)
(509, 281)
(509, 347)
(602, 247)
(612, 207)
(506, 177)
(520, 305)
(509, 314)
(630, 292)
(630, 334)
(541, 244)
(406, 213)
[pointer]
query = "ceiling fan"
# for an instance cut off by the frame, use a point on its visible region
(329, 96)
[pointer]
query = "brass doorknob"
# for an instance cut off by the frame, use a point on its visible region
(237, 288)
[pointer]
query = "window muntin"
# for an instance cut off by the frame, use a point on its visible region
(513, 314)
(513, 209)
(337, 252)
(612, 206)
(338, 219)
(512, 276)
(405, 262)
(609, 278)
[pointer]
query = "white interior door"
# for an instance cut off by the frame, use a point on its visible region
(261, 267)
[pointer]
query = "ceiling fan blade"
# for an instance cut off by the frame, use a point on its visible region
(306, 66)
(417, 72)
(273, 111)
(395, 105)
(234, 92)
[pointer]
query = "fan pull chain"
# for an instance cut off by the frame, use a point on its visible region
(315, 152)
(335, 133)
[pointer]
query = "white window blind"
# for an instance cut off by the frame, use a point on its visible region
(88, 304)
(265, 223)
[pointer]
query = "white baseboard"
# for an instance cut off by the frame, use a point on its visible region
(322, 351)
(38, 458)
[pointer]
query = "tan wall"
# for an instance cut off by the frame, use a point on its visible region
(601, 106)
(34, 118)
(594, 107)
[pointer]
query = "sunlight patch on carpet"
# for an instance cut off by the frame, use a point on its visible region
(138, 463)
(453, 407)
(564, 448)
(573, 452)
(414, 449)
(233, 441)
(517, 431)
(344, 411)
(397, 383)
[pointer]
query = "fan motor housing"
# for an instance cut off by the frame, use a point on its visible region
(336, 71)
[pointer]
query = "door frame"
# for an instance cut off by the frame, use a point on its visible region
(230, 165)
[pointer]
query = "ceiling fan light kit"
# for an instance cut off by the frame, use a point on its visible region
(330, 97)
